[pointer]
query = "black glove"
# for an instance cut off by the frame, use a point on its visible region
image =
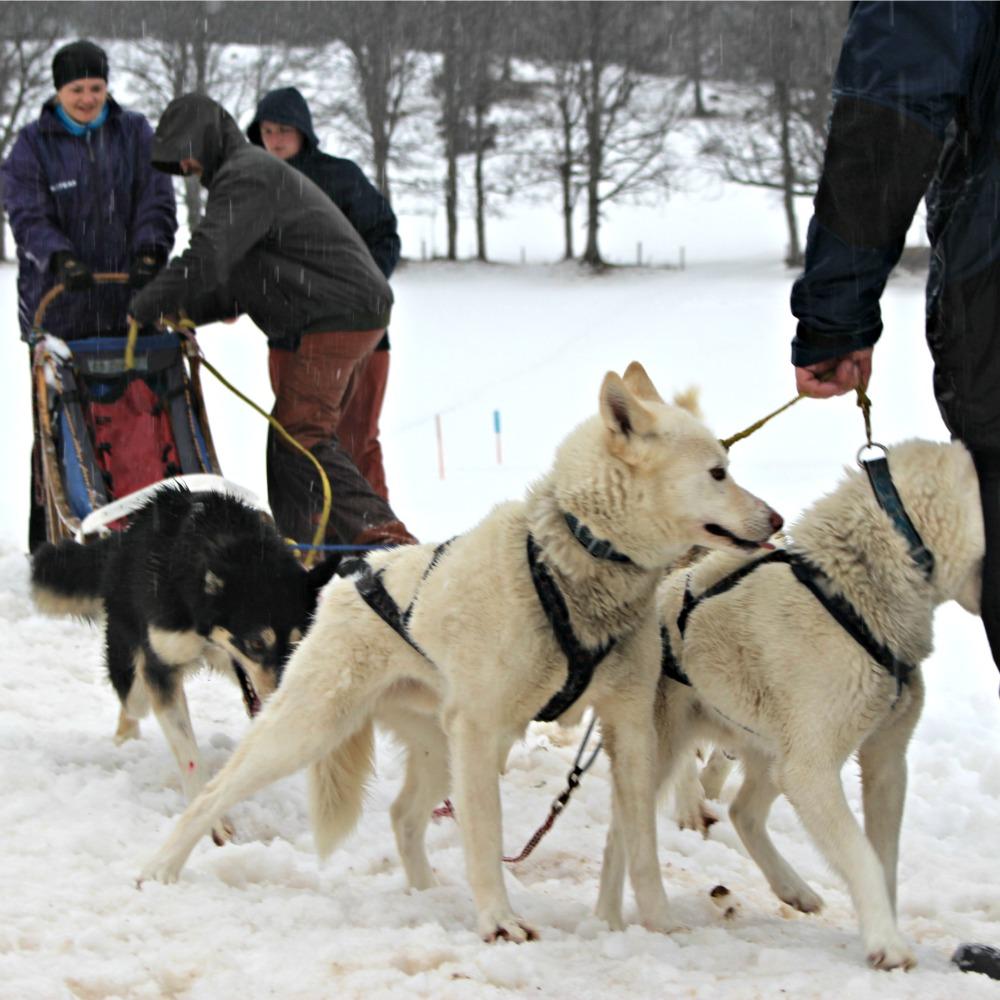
(145, 266)
(73, 274)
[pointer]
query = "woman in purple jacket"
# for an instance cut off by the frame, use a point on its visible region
(82, 197)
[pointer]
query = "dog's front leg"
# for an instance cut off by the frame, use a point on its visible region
(748, 814)
(175, 720)
(631, 745)
(475, 751)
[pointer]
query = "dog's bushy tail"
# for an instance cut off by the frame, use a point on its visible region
(337, 788)
(66, 577)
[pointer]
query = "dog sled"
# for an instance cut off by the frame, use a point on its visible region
(109, 433)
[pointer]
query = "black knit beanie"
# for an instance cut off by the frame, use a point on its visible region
(79, 61)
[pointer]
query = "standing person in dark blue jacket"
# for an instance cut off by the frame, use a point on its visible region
(82, 197)
(917, 111)
(283, 126)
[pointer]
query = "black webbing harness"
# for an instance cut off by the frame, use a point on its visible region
(811, 577)
(372, 590)
(581, 661)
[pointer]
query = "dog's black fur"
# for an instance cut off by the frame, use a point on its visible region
(195, 579)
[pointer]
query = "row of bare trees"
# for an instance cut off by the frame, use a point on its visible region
(484, 100)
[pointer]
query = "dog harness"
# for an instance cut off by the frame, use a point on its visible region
(581, 661)
(811, 577)
(372, 590)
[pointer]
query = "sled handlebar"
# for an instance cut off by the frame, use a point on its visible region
(101, 278)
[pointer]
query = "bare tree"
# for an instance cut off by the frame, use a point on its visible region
(777, 140)
(178, 55)
(384, 65)
(27, 37)
(550, 145)
(697, 42)
(626, 115)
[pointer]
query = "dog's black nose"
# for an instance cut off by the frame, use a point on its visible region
(777, 521)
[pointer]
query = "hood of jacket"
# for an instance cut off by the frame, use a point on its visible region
(284, 106)
(195, 126)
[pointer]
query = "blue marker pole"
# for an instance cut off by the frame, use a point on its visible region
(496, 433)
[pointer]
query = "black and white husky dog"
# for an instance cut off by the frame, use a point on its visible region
(195, 579)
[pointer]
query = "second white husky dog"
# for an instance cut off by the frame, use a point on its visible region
(457, 649)
(795, 679)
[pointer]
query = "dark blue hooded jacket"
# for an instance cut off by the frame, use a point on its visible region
(917, 111)
(96, 196)
(342, 180)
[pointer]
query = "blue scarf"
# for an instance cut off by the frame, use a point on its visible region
(75, 128)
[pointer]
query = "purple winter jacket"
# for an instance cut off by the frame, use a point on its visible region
(95, 195)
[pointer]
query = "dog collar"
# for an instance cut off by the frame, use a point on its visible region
(889, 500)
(599, 548)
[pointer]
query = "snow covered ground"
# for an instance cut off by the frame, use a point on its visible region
(261, 917)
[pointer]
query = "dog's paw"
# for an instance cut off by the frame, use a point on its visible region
(160, 868)
(803, 899)
(505, 927)
(612, 916)
(223, 832)
(662, 921)
(892, 954)
(701, 818)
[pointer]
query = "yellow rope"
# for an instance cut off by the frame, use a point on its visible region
(185, 327)
(863, 401)
(728, 442)
(133, 336)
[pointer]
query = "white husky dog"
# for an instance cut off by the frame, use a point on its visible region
(457, 649)
(775, 675)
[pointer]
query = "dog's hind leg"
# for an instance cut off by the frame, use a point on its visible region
(715, 772)
(814, 788)
(883, 788)
(295, 728)
(124, 663)
(425, 785)
(612, 890)
(748, 814)
(690, 809)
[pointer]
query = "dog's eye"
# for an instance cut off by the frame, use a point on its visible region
(255, 645)
(719, 473)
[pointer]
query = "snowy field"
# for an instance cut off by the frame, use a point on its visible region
(261, 917)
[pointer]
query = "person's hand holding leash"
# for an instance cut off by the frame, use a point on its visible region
(836, 376)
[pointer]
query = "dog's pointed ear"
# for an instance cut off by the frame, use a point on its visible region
(688, 400)
(319, 576)
(640, 383)
(622, 411)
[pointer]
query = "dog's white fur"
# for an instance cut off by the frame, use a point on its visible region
(647, 476)
(767, 656)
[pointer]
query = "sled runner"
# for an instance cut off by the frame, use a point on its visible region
(105, 432)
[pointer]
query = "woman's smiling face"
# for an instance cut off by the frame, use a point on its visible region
(83, 100)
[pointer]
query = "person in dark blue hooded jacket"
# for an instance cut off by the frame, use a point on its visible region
(283, 126)
(916, 112)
